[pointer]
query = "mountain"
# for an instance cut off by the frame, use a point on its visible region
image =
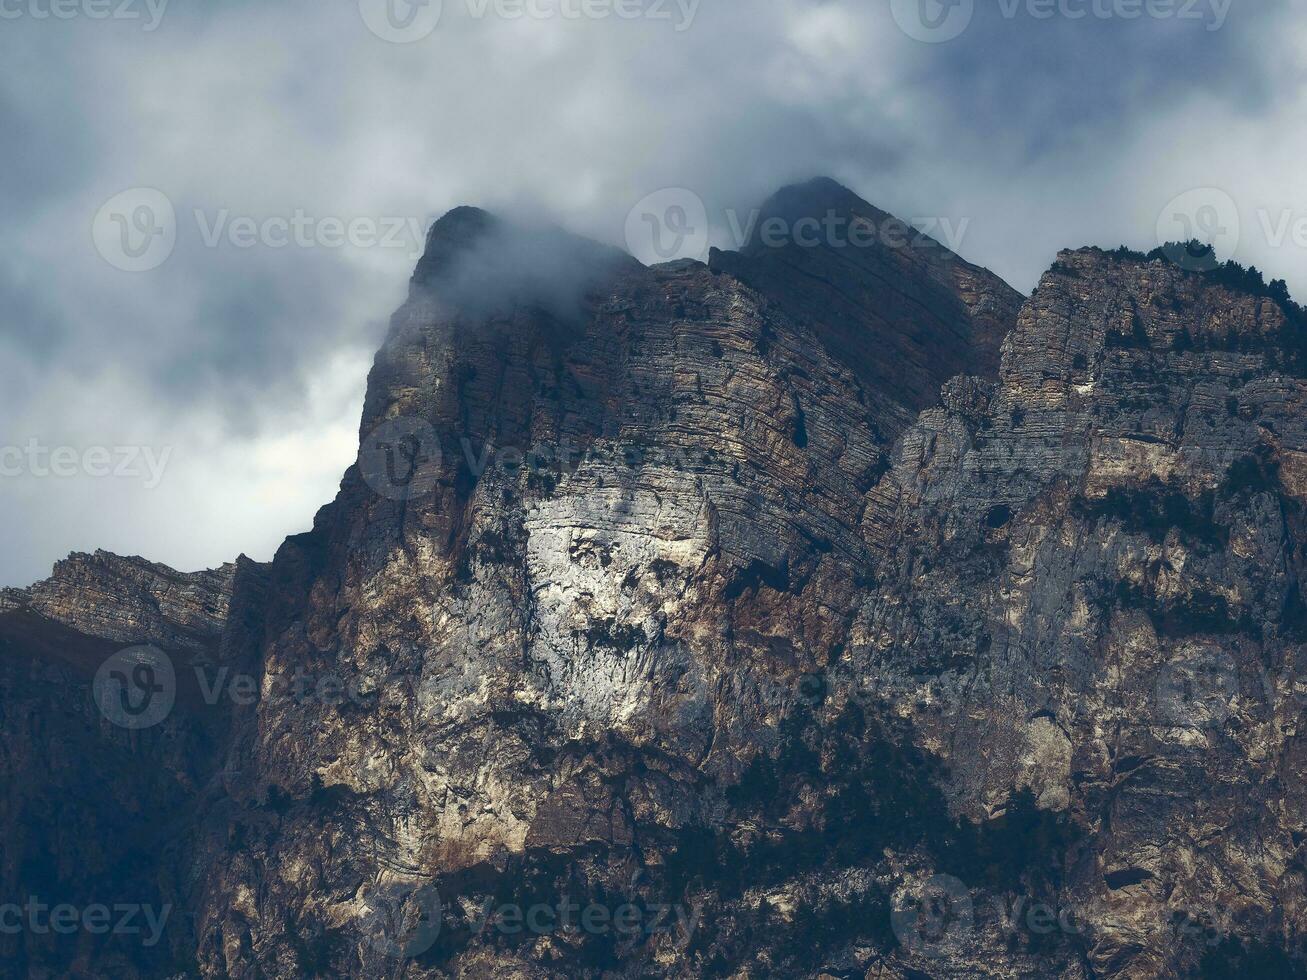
(822, 610)
(903, 312)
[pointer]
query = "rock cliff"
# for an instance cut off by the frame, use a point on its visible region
(821, 610)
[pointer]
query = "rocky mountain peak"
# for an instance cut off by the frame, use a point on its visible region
(900, 309)
(819, 199)
(452, 235)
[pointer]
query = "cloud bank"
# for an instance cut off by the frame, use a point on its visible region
(305, 147)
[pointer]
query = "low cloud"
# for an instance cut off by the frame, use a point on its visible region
(1040, 132)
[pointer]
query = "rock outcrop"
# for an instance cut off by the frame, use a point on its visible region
(742, 619)
(1090, 593)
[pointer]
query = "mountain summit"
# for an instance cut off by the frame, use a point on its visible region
(903, 311)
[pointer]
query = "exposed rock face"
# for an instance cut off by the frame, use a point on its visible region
(566, 664)
(128, 600)
(1090, 590)
(651, 635)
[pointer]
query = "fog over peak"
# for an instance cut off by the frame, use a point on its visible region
(305, 157)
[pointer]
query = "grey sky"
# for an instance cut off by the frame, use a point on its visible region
(1027, 132)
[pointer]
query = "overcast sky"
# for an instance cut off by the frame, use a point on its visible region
(231, 352)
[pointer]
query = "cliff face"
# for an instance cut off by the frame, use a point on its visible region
(635, 522)
(1090, 591)
(660, 631)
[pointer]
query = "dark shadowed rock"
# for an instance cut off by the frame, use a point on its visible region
(901, 310)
